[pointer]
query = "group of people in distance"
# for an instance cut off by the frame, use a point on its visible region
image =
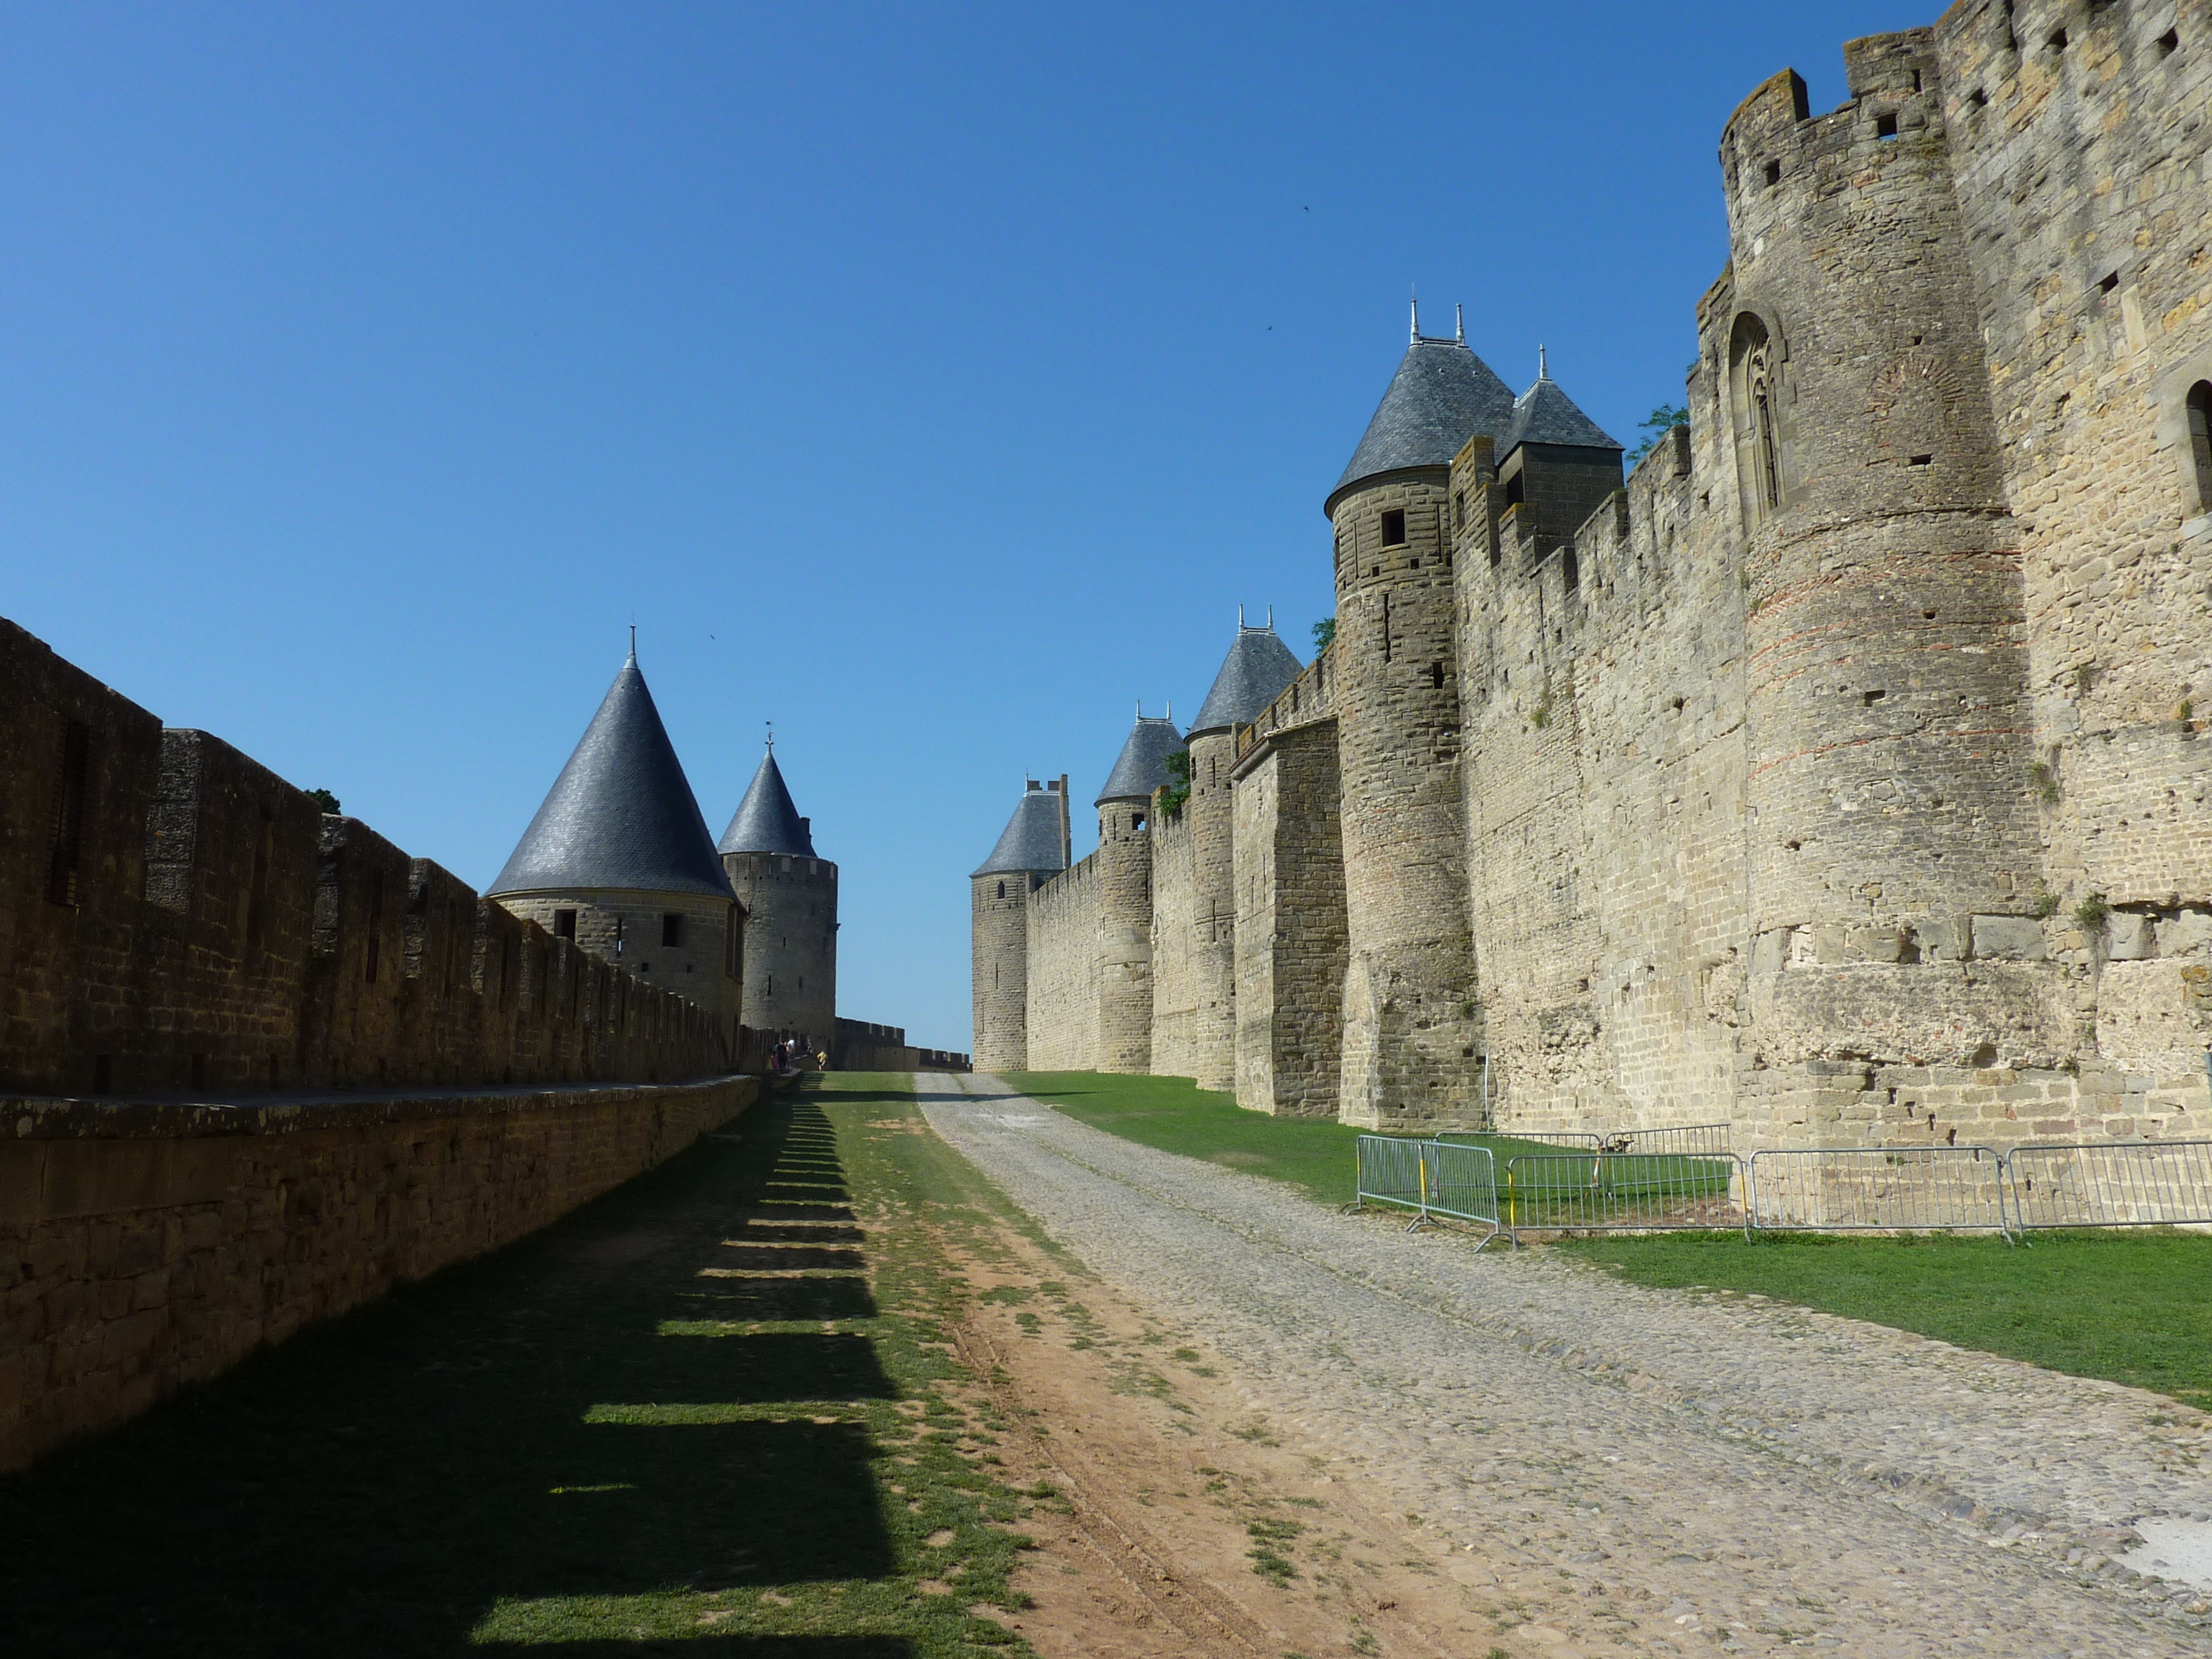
(790, 1058)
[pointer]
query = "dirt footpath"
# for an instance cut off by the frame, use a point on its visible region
(1276, 1430)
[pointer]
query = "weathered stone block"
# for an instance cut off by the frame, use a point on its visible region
(2008, 939)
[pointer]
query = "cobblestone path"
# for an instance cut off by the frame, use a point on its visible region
(1751, 1476)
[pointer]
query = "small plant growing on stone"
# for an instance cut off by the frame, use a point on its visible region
(2089, 915)
(1542, 715)
(2046, 783)
(1324, 634)
(2186, 712)
(2046, 904)
(329, 803)
(1178, 784)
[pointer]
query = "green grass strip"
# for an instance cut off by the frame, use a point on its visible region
(2129, 1306)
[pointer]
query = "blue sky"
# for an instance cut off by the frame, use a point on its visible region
(935, 382)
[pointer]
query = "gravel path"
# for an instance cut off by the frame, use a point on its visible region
(1789, 1479)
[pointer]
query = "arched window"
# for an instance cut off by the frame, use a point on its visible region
(1002, 889)
(1752, 365)
(2200, 442)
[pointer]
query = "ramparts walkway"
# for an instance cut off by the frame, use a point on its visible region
(1649, 1467)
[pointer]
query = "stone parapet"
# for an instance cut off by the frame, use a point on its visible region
(147, 1244)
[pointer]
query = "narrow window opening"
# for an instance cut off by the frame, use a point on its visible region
(1885, 126)
(1922, 460)
(618, 936)
(1979, 99)
(1136, 823)
(1394, 528)
(2200, 442)
(69, 792)
(1002, 889)
(1870, 698)
(2108, 282)
(1459, 509)
(564, 924)
(1573, 569)
(1916, 80)
(1515, 490)
(2169, 43)
(671, 930)
(1773, 174)
(375, 925)
(2057, 41)
(1437, 675)
(1386, 628)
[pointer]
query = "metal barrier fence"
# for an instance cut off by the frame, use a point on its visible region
(2111, 1183)
(1676, 1181)
(1430, 1177)
(1620, 1192)
(1878, 1189)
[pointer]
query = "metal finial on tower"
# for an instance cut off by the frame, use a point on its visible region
(1271, 618)
(1543, 368)
(1170, 716)
(632, 641)
(1459, 323)
(1240, 615)
(771, 736)
(1413, 335)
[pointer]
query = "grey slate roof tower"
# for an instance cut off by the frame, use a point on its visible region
(621, 814)
(619, 860)
(766, 820)
(1253, 675)
(1034, 838)
(1032, 849)
(1441, 395)
(1142, 766)
(790, 896)
(1544, 415)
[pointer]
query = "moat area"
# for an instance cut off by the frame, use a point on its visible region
(915, 1368)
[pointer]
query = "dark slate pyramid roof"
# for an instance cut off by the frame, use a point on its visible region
(1253, 675)
(1441, 395)
(621, 813)
(1544, 415)
(767, 822)
(1031, 841)
(1143, 766)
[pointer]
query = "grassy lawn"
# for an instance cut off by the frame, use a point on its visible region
(707, 1414)
(2129, 1307)
(1174, 1114)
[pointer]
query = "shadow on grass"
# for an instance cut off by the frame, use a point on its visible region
(506, 1431)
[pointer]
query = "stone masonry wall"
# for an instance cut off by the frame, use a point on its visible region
(1124, 944)
(1063, 971)
(145, 1246)
(1177, 989)
(629, 930)
(999, 936)
(790, 970)
(1291, 944)
(175, 917)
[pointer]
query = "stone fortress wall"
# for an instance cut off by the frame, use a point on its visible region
(194, 960)
(1842, 771)
(791, 942)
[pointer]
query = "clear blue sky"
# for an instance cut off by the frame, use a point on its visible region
(933, 381)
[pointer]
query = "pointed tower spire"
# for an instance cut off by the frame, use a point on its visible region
(766, 820)
(1253, 675)
(621, 814)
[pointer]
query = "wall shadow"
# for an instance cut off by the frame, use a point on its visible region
(514, 1427)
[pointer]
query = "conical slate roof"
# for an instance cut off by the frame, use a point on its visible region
(1544, 415)
(1253, 675)
(766, 821)
(1143, 766)
(1441, 395)
(621, 814)
(1031, 841)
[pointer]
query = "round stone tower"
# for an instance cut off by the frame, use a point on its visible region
(790, 896)
(1031, 851)
(1258, 667)
(618, 858)
(1124, 870)
(1411, 1024)
(1890, 769)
